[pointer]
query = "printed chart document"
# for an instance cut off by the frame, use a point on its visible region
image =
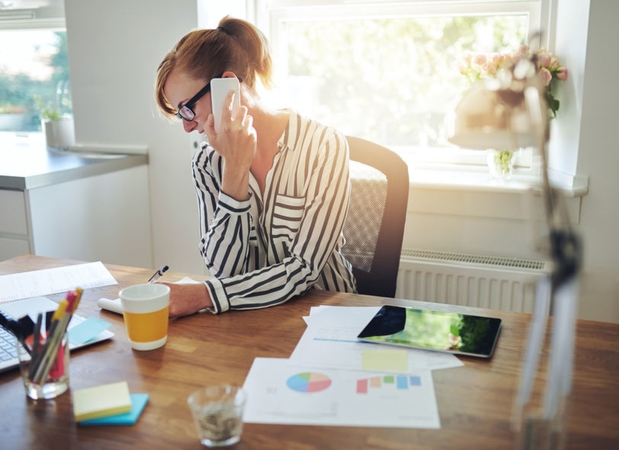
(331, 340)
(283, 392)
(52, 281)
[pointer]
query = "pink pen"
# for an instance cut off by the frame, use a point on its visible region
(58, 368)
(71, 298)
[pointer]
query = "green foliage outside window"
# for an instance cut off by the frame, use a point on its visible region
(22, 94)
(390, 80)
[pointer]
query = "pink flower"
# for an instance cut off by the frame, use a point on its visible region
(523, 49)
(545, 75)
(489, 69)
(561, 73)
(545, 58)
(554, 64)
(497, 59)
(479, 59)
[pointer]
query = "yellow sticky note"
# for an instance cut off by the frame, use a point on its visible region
(101, 401)
(384, 360)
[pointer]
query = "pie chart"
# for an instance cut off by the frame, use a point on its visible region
(308, 382)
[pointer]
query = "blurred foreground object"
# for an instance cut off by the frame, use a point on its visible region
(511, 111)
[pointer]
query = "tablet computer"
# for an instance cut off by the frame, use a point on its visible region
(433, 330)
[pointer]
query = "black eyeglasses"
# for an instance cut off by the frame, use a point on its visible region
(186, 111)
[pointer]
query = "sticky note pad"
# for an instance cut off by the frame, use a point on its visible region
(87, 330)
(101, 401)
(138, 402)
(384, 360)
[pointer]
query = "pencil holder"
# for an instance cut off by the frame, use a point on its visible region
(34, 364)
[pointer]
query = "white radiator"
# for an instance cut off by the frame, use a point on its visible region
(484, 281)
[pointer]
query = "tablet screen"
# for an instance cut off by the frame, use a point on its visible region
(433, 330)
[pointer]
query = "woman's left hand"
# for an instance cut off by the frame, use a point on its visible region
(187, 298)
(236, 139)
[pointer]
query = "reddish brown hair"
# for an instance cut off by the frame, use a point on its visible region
(235, 45)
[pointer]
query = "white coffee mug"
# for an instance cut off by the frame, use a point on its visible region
(145, 310)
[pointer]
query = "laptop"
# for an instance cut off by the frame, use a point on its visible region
(32, 307)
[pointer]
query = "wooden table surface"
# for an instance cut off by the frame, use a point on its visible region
(474, 401)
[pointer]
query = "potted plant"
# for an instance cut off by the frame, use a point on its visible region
(58, 128)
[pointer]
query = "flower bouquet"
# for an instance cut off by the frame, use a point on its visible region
(478, 66)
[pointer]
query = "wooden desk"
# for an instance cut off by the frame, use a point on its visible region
(474, 401)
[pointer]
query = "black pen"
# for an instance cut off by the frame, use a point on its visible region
(158, 274)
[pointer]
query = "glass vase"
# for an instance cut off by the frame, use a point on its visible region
(501, 163)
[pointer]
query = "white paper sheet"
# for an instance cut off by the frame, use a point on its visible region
(331, 340)
(52, 281)
(283, 392)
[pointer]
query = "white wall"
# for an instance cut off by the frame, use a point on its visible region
(116, 45)
(598, 158)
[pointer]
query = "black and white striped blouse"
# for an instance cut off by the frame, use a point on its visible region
(267, 249)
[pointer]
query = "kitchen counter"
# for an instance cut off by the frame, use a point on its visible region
(26, 163)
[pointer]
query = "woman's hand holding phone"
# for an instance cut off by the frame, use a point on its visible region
(230, 132)
(220, 89)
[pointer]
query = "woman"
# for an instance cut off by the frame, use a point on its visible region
(272, 186)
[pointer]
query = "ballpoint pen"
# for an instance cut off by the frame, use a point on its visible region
(158, 274)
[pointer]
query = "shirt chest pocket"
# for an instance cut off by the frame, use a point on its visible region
(287, 215)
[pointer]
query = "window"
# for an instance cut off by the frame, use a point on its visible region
(34, 75)
(388, 71)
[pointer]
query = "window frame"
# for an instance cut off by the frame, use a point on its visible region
(270, 14)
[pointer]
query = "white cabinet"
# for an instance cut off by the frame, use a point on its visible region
(77, 207)
(14, 235)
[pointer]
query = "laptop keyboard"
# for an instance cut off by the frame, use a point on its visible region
(32, 307)
(8, 352)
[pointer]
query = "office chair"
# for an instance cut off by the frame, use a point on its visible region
(374, 227)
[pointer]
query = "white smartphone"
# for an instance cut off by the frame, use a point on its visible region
(220, 87)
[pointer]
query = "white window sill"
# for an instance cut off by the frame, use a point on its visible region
(477, 178)
(471, 192)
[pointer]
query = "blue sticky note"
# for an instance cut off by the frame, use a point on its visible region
(138, 402)
(87, 330)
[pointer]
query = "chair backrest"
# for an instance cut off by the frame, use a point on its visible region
(374, 227)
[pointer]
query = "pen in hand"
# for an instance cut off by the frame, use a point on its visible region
(116, 306)
(158, 274)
